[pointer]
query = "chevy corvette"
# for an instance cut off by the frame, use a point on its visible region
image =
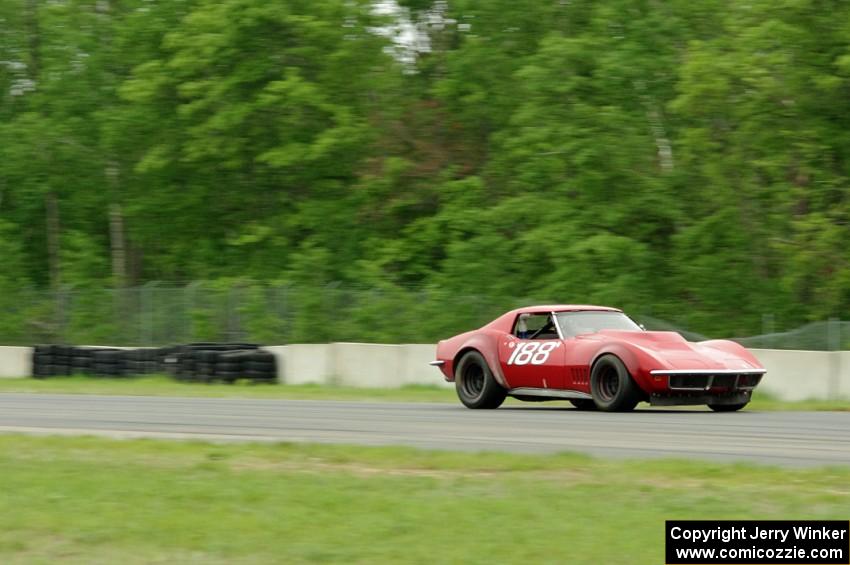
(597, 358)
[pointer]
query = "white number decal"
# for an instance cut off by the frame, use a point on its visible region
(543, 352)
(523, 354)
(536, 353)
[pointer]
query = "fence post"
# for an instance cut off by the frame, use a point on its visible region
(190, 309)
(146, 314)
(768, 328)
(833, 329)
(62, 302)
(116, 315)
(282, 295)
(329, 304)
(233, 322)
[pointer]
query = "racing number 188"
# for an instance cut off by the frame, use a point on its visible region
(535, 353)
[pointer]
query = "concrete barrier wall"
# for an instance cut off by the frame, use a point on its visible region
(791, 375)
(386, 365)
(802, 375)
(843, 386)
(15, 362)
(357, 364)
(798, 375)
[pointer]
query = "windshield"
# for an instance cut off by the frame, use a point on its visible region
(591, 321)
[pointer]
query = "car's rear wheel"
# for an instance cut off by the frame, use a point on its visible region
(612, 387)
(476, 387)
(583, 403)
(727, 407)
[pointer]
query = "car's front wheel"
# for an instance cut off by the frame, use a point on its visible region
(476, 387)
(727, 407)
(612, 387)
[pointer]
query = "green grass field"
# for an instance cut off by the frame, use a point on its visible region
(165, 386)
(86, 500)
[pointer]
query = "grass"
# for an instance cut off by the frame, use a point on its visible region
(87, 500)
(165, 386)
(764, 401)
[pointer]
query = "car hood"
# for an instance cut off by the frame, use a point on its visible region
(672, 351)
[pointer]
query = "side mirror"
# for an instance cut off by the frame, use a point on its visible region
(642, 327)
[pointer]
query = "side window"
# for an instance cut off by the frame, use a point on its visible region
(527, 325)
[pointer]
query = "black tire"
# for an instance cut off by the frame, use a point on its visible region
(185, 360)
(206, 356)
(260, 366)
(43, 349)
(57, 370)
(475, 384)
(727, 407)
(583, 403)
(257, 374)
(105, 369)
(109, 356)
(612, 386)
(236, 356)
(261, 357)
(39, 362)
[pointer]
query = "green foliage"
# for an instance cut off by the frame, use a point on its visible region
(688, 160)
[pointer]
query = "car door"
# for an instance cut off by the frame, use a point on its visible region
(529, 360)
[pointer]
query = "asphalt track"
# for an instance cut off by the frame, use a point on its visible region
(781, 438)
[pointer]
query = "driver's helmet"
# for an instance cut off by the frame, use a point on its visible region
(522, 326)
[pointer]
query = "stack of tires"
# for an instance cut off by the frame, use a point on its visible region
(51, 361)
(195, 362)
(205, 362)
(224, 362)
(63, 360)
(82, 360)
(183, 364)
(143, 361)
(108, 362)
(256, 366)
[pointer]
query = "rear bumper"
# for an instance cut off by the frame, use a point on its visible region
(445, 368)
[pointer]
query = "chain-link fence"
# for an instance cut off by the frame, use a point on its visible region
(159, 314)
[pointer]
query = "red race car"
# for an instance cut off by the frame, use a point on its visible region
(595, 357)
